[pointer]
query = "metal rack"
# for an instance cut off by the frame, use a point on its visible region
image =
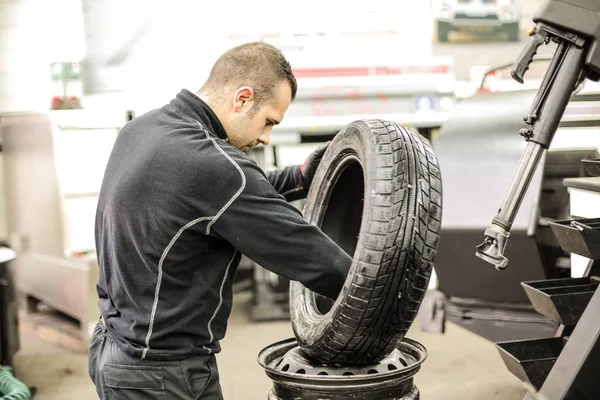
(563, 367)
(9, 319)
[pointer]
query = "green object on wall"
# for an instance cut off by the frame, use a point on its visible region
(65, 71)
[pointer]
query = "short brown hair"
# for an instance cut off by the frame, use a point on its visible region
(257, 64)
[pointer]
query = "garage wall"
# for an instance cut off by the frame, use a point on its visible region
(147, 49)
(21, 71)
(32, 34)
(151, 50)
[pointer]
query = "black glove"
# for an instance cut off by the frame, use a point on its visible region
(309, 168)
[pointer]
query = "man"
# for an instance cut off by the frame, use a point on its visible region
(179, 203)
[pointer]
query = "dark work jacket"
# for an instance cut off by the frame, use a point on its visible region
(177, 207)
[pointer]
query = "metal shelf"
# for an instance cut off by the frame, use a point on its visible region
(578, 236)
(531, 360)
(562, 300)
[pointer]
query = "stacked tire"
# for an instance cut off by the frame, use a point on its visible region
(378, 194)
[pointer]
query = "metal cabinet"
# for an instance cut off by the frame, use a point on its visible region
(53, 168)
(9, 317)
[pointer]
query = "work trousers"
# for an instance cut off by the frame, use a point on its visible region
(118, 376)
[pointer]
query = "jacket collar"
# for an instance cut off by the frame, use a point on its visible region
(194, 107)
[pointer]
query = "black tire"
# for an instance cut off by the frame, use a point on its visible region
(377, 193)
(512, 30)
(443, 29)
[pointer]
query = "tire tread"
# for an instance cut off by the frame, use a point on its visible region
(395, 263)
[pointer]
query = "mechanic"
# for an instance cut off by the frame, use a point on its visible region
(180, 202)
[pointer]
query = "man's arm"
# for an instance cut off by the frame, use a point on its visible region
(273, 233)
(288, 182)
(293, 182)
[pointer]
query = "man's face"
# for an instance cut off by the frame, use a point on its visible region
(250, 124)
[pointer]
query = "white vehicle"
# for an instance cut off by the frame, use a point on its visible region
(357, 62)
(353, 60)
(477, 15)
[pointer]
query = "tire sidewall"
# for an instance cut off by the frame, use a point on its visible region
(352, 141)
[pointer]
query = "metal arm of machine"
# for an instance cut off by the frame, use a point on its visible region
(563, 75)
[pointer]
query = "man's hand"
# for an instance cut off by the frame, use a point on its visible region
(309, 168)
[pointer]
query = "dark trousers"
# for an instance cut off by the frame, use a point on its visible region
(118, 376)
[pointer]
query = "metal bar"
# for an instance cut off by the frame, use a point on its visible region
(555, 102)
(545, 115)
(518, 188)
(574, 374)
(580, 123)
(496, 236)
(593, 268)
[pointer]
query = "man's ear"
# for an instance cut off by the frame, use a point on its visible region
(243, 99)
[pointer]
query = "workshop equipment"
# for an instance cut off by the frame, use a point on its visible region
(577, 57)
(53, 164)
(478, 139)
(297, 377)
(564, 367)
(9, 314)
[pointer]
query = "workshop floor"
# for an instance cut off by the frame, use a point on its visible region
(460, 364)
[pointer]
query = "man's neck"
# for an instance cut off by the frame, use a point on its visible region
(210, 101)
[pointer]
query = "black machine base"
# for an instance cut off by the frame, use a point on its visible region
(9, 315)
(498, 322)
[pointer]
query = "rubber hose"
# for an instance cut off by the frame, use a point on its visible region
(11, 388)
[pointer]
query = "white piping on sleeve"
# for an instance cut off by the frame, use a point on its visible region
(235, 196)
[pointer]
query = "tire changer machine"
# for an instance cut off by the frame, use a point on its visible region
(559, 367)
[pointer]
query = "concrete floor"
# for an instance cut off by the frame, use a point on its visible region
(460, 364)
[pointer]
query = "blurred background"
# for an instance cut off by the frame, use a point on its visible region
(73, 72)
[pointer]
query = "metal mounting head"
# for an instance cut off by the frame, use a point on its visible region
(492, 248)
